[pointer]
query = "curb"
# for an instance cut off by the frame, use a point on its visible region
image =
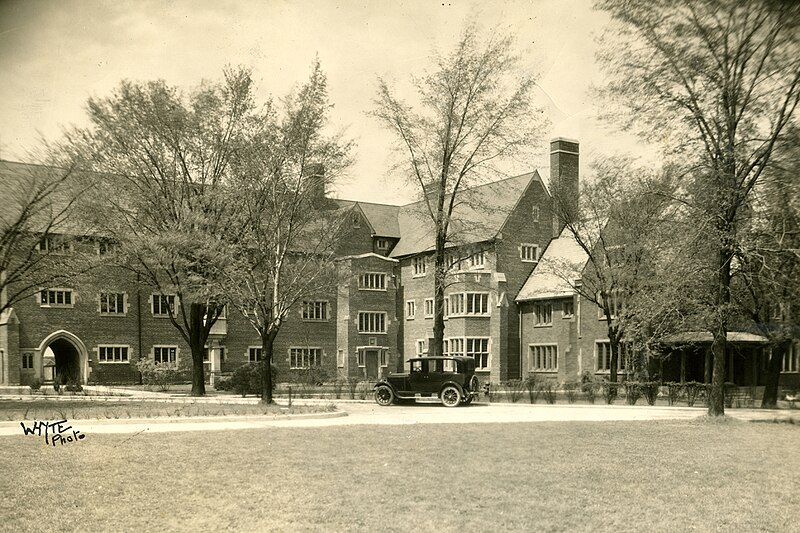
(190, 419)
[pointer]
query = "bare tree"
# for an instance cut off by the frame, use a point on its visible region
(474, 110)
(716, 81)
(160, 159)
(286, 233)
(38, 230)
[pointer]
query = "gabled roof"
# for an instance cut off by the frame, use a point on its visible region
(382, 218)
(559, 267)
(479, 214)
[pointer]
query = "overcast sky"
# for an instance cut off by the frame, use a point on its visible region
(55, 54)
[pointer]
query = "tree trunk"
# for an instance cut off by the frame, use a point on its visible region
(770, 399)
(439, 273)
(716, 404)
(267, 348)
(197, 346)
(613, 341)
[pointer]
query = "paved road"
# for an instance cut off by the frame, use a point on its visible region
(372, 414)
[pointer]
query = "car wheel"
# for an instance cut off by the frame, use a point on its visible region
(384, 395)
(474, 384)
(451, 397)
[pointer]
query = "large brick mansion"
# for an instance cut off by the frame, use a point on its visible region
(499, 310)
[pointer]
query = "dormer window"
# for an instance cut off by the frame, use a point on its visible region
(356, 221)
(382, 244)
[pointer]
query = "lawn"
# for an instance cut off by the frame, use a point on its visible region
(625, 476)
(85, 409)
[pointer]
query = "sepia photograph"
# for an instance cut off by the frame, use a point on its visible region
(376, 265)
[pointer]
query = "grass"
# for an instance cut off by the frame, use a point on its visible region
(689, 475)
(81, 410)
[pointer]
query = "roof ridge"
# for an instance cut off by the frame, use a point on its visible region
(472, 188)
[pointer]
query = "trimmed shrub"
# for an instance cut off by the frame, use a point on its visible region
(223, 384)
(35, 384)
(338, 386)
(246, 379)
(548, 391)
(352, 385)
(161, 375)
(649, 390)
(674, 391)
(532, 385)
(632, 392)
(571, 391)
(312, 376)
(515, 387)
(693, 388)
(609, 391)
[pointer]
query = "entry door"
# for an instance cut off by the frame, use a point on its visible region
(372, 364)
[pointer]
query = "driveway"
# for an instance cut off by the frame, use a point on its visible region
(372, 414)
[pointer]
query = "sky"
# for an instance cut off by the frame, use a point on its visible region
(54, 55)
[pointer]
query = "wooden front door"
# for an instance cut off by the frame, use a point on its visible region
(371, 357)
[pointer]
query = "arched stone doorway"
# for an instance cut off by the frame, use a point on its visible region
(69, 355)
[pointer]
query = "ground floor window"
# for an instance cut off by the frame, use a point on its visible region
(478, 349)
(383, 357)
(340, 358)
(254, 354)
(422, 347)
(305, 357)
(361, 358)
(453, 346)
(27, 360)
(113, 354)
(603, 351)
(165, 354)
(790, 358)
(544, 358)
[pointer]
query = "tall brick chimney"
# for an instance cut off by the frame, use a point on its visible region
(564, 180)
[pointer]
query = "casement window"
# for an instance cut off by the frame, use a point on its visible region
(422, 347)
(477, 260)
(529, 253)
(315, 310)
(544, 358)
(371, 322)
(478, 349)
(340, 358)
(568, 309)
(105, 247)
(616, 304)
(603, 356)
(543, 314)
(112, 353)
(372, 281)
(456, 304)
(429, 307)
(411, 309)
(382, 244)
(56, 298)
(305, 357)
(112, 303)
(453, 262)
(453, 346)
(254, 354)
(791, 359)
(165, 354)
(27, 360)
(477, 303)
(361, 358)
(161, 305)
(383, 357)
(54, 244)
(420, 266)
(535, 213)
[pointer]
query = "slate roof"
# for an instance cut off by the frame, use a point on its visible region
(478, 216)
(559, 266)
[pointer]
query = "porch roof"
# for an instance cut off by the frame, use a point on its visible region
(699, 337)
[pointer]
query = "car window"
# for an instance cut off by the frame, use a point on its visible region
(416, 366)
(449, 365)
(434, 365)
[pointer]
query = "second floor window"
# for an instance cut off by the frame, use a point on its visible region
(54, 244)
(371, 322)
(56, 298)
(162, 303)
(569, 309)
(420, 266)
(477, 303)
(477, 260)
(382, 244)
(543, 314)
(411, 309)
(429, 308)
(112, 303)
(615, 305)
(529, 253)
(372, 281)
(315, 310)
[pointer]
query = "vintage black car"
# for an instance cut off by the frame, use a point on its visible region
(451, 379)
